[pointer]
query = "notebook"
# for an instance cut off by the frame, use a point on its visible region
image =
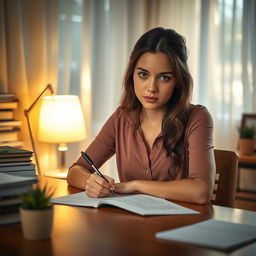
(140, 204)
(216, 234)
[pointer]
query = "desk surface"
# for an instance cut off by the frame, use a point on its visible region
(112, 231)
(249, 159)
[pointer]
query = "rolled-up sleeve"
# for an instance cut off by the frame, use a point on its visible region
(102, 147)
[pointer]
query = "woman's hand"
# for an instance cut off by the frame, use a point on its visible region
(98, 187)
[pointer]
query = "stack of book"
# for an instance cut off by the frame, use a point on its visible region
(17, 174)
(16, 161)
(10, 188)
(9, 127)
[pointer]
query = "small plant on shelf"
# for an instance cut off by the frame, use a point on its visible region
(247, 132)
(246, 141)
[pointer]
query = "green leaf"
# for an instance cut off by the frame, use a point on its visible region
(37, 198)
(247, 132)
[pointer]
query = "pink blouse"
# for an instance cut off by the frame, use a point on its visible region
(121, 136)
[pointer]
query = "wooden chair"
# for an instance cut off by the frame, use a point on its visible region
(226, 178)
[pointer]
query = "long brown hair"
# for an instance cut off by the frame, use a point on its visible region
(171, 43)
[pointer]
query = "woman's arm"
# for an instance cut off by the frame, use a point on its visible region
(186, 190)
(78, 176)
(81, 175)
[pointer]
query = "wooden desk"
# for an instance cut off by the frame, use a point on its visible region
(247, 159)
(112, 231)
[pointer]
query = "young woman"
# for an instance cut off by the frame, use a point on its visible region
(163, 143)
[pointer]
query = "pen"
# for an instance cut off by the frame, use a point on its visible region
(90, 162)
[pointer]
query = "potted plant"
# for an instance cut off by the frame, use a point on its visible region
(246, 141)
(36, 214)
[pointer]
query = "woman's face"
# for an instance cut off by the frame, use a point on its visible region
(154, 80)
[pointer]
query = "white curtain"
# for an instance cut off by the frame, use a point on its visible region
(28, 50)
(249, 55)
(226, 83)
(92, 41)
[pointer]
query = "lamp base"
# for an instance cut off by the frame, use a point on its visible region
(57, 173)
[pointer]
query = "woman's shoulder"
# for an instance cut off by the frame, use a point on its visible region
(199, 113)
(198, 110)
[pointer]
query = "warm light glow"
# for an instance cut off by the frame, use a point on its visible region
(62, 147)
(61, 120)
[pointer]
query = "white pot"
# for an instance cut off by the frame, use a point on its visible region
(36, 224)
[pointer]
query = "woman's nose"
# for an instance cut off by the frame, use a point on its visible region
(152, 85)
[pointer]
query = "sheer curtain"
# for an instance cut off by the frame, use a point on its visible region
(227, 80)
(249, 55)
(220, 85)
(28, 50)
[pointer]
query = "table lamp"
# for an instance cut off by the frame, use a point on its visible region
(61, 121)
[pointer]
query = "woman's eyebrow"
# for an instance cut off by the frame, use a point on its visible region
(168, 72)
(142, 69)
(161, 73)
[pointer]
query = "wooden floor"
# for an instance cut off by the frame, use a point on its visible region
(246, 200)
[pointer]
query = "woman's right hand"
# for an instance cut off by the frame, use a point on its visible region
(98, 187)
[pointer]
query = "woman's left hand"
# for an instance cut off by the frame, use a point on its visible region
(126, 187)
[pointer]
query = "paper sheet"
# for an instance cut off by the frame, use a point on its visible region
(212, 233)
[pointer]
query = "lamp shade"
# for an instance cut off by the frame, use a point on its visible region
(61, 119)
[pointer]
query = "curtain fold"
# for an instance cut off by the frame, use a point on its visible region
(249, 55)
(30, 60)
(3, 54)
(226, 62)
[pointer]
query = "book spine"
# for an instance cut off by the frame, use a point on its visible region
(6, 136)
(10, 133)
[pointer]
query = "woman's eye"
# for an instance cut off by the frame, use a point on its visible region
(165, 78)
(143, 74)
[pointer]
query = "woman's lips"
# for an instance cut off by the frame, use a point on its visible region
(150, 99)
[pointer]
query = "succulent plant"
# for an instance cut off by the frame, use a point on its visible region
(247, 132)
(36, 198)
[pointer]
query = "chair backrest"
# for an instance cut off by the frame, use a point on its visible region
(226, 178)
